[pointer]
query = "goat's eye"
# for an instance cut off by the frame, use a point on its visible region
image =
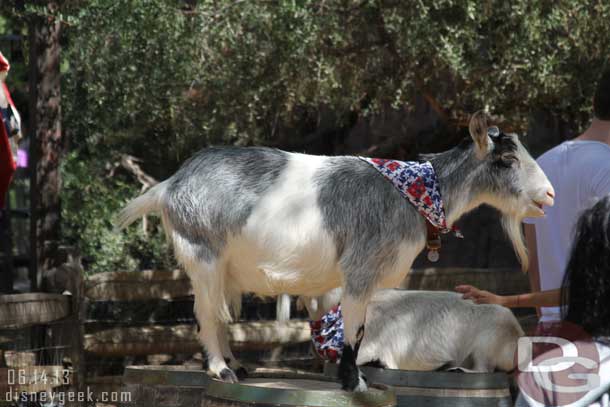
(506, 160)
(509, 158)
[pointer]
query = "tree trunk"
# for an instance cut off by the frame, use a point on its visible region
(46, 141)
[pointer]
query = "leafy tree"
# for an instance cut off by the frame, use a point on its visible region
(159, 79)
(232, 72)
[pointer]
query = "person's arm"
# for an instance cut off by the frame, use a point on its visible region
(549, 298)
(533, 269)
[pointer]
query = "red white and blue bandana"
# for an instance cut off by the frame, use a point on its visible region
(327, 335)
(417, 183)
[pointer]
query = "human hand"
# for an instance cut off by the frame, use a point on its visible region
(479, 296)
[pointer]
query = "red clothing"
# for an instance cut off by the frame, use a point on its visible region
(4, 65)
(7, 164)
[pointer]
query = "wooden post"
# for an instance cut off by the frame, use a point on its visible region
(282, 308)
(76, 326)
(45, 147)
(6, 253)
(46, 140)
(282, 314)
(70, 278)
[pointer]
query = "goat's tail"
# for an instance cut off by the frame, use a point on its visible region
(150, 201)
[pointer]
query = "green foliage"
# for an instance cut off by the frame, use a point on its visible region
(128, 71)
(227, 71)
(89, 205)
(158, 80)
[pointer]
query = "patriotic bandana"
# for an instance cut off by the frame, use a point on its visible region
(327, 335)
(417, 183)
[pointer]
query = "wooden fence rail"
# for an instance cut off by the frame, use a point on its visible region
(23, 310)
(142, 286)
(160, 339)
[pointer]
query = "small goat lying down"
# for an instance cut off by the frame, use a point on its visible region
(270, 222)
(429, 330)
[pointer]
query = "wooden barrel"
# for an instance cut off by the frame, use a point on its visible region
(163, 386)
(440, 389)
(274, 388)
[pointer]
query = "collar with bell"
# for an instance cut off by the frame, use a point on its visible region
(433, 240)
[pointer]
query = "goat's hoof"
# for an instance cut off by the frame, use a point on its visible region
(352, 379)
(228, 376)
(241, 373)
(362, 382)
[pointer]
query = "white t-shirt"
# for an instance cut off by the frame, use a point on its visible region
(599, 395)
(580, 174)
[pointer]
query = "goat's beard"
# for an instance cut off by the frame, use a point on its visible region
(512, 227)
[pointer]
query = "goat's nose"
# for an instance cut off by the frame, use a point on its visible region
(550, 197)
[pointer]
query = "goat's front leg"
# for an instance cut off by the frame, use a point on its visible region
(353, 309)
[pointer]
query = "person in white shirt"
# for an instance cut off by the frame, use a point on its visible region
(579, 170)
(585, 306)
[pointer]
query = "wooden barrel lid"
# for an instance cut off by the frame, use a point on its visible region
(437, 380)
(166, 376)
(295, 389)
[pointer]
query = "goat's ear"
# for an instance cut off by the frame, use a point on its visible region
(478, 132)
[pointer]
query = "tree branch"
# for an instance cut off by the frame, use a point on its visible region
(390, 43)
(130, 163)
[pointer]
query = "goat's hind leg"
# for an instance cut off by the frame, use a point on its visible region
(206, 272)
(223, 339)
(212, 314)
(208, 334)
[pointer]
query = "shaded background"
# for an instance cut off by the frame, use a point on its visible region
(160, 79)
(116, 94)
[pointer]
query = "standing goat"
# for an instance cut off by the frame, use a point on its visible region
(457, 332)
(270, 222)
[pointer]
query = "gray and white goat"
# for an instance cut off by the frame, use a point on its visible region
(271, 222)
(456, 334)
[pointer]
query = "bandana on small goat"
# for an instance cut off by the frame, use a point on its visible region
(327, 335)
